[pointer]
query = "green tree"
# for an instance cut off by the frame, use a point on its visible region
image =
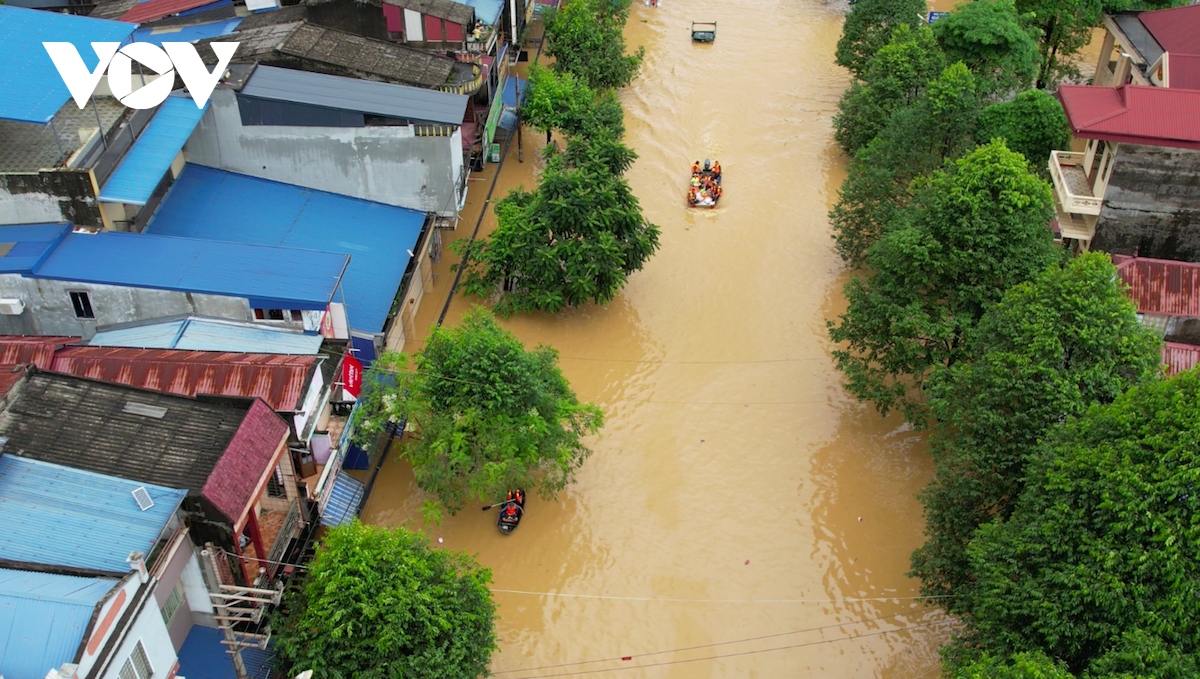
(869, 27)
(895, 77)
(1033, 665)
(586, 38)
(918, 139)
(1104, 538)
(561, 101)
(1049, 349)
(381, 604)
(988, 37)
(489, 415)
(1033, 124)
(970, 233)
(574, 240)
(1065, 27)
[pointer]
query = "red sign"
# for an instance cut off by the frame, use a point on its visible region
(352, 375)
(327, 323)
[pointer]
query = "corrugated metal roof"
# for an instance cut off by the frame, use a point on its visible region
(279, 380)
(59, 516)
(1179, 357)
(18, 351)
(157, 9)
(43, 619)
(207, 334)
(144, 165)
(344, 498)
(1177, 29)
(1184, 70)
(1161, 287)
(31, 89)
(31, 243)
(459, 13)
(1137, 114)
(157, 35)
(208, 203)
(249, 457)
(271, 276)
(352, 94)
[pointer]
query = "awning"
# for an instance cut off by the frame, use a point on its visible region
(514, 92)
(145, 164)
(342, 505)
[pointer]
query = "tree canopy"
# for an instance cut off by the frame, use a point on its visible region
(1032, 124)
(1048, 350)
(1033, 665)
(1097, 565)
(561, 101)
(573, 240)
(489, 414)
(869, 27)
(586, 39)
(988, 37)
(381, 604)
(969, 233)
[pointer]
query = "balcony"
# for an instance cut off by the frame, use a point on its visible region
(468, 78)
(1072, 185)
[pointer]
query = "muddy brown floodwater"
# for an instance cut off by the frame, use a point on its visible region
(738, 502)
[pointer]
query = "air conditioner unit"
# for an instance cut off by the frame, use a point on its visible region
(12, 307)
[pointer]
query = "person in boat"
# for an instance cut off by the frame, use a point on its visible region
(696, 167)
(693, 195)
(696, 183)
(707, 167)
(512, 512)
(716, 169)
(716, 192)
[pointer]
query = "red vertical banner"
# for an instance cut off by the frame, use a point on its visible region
(352, 376)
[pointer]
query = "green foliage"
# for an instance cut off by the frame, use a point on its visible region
(918, 139)
(970, 233)
(1064, 27)
(893, 80)
(869, 27)
(1103, 540)
(561, 101)
(574, 240)
(381, 604)
(1033, 124)
(1048, 350)
(1141, 654)
(586, 39)
(1033, 665)
(490, 415)
(988, 37)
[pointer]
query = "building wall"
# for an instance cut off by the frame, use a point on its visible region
(386, 164)
(51, 196)
(149, 629)
(196, 591)
(48, 309)
(169, 576)
(1152, 205)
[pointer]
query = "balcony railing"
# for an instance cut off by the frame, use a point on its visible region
(283, 538)
(470, 84)
(1072, 185)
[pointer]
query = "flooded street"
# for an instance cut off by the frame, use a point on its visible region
(739, 505)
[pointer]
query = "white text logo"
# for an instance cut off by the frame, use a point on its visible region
(179, 56)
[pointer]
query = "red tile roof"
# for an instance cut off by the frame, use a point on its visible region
(251, 456)
(17, 351)
(278, 379)
(152, 10)
(1138, 114)
(1184, 70)
(1177, 29)
(1179, 357)
(1160, 286)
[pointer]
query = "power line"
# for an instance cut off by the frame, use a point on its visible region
(728, 601)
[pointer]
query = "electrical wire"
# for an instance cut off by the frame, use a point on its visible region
(727, 601)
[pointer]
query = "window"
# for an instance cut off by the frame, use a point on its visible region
(83, 305)
(277, 314)
(137, 666)
(173, 602)
(275, 487)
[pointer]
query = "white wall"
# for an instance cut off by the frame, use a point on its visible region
(195, 591)
(150, 630)
(313, 401)
(31, 208)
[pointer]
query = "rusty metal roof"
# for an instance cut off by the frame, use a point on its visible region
(18, 351)
(280, 380)
(1178, 357)
(1160, 286)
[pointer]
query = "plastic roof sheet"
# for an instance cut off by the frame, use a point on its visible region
(43, 618)
(209, 203)
(352, 94)
(204, 334)
(145, 164)
(60, 516)
(31, 89)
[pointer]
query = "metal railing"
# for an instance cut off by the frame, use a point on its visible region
(286, 532)
(1062, 162)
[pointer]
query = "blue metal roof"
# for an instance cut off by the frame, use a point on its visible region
(31, 89)
(31, 243)
(60, 516)
(344, 498)
(209, 203)
(203, 656)
(143, 167)
(159, 35)
(271, 277)
(514, 92)
(43, 619)
(487, 11)
(204, 334)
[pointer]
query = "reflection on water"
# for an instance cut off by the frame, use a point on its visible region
(733, 468)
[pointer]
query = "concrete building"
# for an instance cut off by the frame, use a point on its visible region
(1135, 188)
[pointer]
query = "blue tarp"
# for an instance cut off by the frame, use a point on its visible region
(158, 36)
(145, 164)
(226, 206)
(31, 89)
